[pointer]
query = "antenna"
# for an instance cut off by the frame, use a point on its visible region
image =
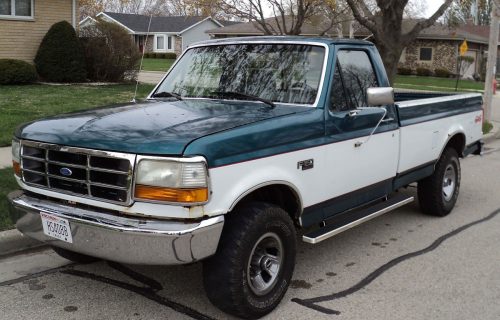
(142, 59)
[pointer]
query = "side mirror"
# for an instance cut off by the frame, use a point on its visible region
(379, 96)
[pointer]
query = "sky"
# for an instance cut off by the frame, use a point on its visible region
(432, 6)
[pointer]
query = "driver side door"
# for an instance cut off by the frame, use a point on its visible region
(361, 164)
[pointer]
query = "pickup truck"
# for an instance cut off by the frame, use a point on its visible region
(245, 146)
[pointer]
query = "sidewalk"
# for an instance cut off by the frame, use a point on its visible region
(152, 77)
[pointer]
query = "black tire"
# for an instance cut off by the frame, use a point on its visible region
(74, 256)
(436, 196)
(230, 280)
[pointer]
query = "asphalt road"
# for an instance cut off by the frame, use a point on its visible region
(403, 265)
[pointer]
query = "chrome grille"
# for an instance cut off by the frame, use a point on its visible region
(100, 175)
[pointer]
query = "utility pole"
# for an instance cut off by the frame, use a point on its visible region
(491, 64)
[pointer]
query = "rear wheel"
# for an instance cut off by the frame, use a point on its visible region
(253, 266)
(438, 193)
(74, 256)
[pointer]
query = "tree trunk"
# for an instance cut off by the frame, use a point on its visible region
(390, 54)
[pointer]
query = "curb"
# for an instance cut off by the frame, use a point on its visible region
(492, 135)
(13, 241)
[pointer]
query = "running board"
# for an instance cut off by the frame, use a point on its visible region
(351, 219)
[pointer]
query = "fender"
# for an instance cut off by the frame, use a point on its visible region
(270, 183)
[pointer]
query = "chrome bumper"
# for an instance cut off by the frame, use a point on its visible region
(119, 238)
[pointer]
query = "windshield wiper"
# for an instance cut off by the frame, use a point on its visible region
(243, 95)
(166, 94)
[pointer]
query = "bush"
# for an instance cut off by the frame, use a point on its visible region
(425, 72)
(405, 71)
(156, 55)
(170, 55)
(110, 53)
(442, 73)
(16, 72)
(60, 57)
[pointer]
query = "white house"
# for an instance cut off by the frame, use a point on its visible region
(166, 34)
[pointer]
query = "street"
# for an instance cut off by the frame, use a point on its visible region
(402, 265)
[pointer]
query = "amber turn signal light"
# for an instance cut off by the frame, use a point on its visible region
(17, 168)
(170, 194)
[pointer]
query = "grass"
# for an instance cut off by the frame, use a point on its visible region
(7, 184)
(150, 64)
(436, 84)
(487, 126)
(19, 104)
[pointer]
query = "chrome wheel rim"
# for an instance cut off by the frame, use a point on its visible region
(265, 264)
(449, 182)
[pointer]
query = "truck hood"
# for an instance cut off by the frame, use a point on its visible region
(152, 127)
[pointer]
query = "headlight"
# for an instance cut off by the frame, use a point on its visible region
(16, 154)
(172, 181)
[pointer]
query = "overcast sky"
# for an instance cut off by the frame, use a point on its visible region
(432, 6)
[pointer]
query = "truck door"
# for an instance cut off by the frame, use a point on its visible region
(361, 164)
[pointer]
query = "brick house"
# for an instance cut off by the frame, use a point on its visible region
(166, 34)
(437, 47)
(24, 23)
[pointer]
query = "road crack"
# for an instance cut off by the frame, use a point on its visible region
(312, 303)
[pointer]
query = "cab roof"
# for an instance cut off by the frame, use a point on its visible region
(271, 39)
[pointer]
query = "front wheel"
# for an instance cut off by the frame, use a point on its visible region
(253, 266)
(438, 193)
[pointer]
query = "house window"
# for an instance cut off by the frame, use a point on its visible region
(164, 43)
(21, 9)
(425, 54)
(160, 42)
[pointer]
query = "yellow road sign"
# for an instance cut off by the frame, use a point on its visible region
(463, 48)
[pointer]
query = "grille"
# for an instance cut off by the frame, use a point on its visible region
(95, 174)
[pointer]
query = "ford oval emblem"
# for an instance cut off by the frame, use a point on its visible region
(66, 172)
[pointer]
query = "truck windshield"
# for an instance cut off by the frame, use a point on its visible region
(281, 73)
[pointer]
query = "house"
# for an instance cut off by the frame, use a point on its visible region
(313, 27)
(166, 34)
(24, 23)
(436, 47)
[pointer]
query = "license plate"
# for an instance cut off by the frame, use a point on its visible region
(56, 227)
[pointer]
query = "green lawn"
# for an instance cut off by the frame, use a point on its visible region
(19, 104)
(7, 184)
(436, 84)
(150, 64)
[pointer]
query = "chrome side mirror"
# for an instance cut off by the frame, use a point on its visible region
(379, 96)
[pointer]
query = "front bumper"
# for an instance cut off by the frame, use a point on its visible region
(118, 238)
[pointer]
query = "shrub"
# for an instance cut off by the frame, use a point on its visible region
(109, 52)
(442, 73)
(405, 71)
(425, 72)
(160, 56)
(60, 57)
(16, 72)
(170, 55)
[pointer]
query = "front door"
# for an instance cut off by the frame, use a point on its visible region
(361, 164)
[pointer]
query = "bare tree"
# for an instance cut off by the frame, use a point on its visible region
(385, 21)
(281, 17)
(461, 11)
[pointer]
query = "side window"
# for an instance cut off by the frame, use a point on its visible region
(338, 99)
(357, 75)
